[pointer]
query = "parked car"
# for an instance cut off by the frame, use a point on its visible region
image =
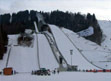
(43, 71)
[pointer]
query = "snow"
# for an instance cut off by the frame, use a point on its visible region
(46, 55)
(63, 76)
(40, 17)
(25, 59)
(17, 56)
(92, 52)
(65, 47)
(87, 32)
(36, 28)
(12, 40)
(106, 27)
(28, 31)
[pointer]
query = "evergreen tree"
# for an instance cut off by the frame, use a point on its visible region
(3, 49)
(73, 21)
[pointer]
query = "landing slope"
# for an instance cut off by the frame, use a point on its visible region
(93, 53)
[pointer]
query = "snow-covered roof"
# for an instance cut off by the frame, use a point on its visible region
(87, 32)
(28, 31)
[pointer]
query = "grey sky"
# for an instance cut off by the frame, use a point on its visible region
(102, 8)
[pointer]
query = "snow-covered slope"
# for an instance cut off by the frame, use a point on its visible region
(25, 59)
(86, 54)
(91, 52)
(22, 59)
(106, 27)
(87, 32)
(65, 46)
(46, 55)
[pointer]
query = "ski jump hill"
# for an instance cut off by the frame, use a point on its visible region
(48, 47)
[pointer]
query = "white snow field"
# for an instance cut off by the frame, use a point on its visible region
(92, 52)
(63, 76)
(86, 55)
(87, 32)
(65, 46)
(22, 59)
(25, 59)
(46, 55)
(89, 51)
(106, 27)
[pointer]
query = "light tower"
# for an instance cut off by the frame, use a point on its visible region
(71, 53)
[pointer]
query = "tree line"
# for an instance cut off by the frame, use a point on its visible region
(3, 43)
(14, 24)
(18, 22)
(75, 22)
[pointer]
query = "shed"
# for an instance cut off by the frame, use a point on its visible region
(8, 71)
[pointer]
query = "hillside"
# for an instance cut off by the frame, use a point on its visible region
(106, 27)
(76, 22)
(86, 55)
(18, 22)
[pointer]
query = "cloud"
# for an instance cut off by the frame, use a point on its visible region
(3, 11)
(100, 7)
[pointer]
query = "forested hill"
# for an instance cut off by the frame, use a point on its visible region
(75, 22)
(18, 22)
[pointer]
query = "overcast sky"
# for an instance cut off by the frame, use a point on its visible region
(102, 8)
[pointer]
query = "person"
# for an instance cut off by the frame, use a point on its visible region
(54, 71)
(48, 71)
(58, 71)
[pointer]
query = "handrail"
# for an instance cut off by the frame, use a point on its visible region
(36, 29)
(8, 56)
(59, 50)
(46, 35)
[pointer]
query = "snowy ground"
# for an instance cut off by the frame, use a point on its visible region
(87, 51)
(46, 56)
(63, 76)
(65, 47)
(25, 59)
(94, 53)
(106, 27)
(22, 59)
